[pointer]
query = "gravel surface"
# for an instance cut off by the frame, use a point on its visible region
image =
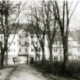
(4, 73)
(26, 72)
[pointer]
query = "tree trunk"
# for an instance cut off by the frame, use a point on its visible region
(51, 56)
(6, 60)
(3, 53)
(27, 59)
(65, 64)
(39, 56)
(2, 58)
(43, 55)
(36, 57)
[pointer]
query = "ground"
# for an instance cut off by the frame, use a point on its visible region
(26, 72)
(4, 73)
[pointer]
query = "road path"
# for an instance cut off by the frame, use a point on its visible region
(26, 72)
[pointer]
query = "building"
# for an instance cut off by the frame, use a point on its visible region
(73, 48)
(21, 47)
(12, 48)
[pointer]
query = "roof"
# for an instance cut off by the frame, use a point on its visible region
(78, 35)
(74, 35)
(14, 28)
(28, 28)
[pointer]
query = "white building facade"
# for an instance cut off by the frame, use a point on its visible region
(21, 47)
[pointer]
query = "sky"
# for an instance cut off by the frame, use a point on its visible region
(75, 20)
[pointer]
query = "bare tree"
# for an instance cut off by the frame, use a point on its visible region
(63, 21)
(37, 24)
(7, 10)
(50, 24)
(36, 47)
(44, 24)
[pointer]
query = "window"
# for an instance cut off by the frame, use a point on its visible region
(75, 57)
(19, 36)
(26, 44)
(22, 36)
(14, 50)
(55, 42)
(69, 54)
(60, 42)
(61, 49)
(32, 36)
(26, 35)
(19, 43)
(32, 50)
(11, 50)
(1, 36)
(22, 43)
(78, 49)
(19, 50)
(60, 57)
(55, 58)
(8, 50)
(55, 50)
(78, 57)
(9, 43)
(25, 50)
(39, 49)
(14, 43)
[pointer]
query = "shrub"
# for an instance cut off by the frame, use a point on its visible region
(57, 68)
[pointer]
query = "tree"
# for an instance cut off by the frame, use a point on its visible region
(63, 21)
(45, 24)
(50, 24)
(35, 44)
(7, 11)
(37, 20)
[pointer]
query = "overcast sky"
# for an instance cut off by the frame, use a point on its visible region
(75, 20)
